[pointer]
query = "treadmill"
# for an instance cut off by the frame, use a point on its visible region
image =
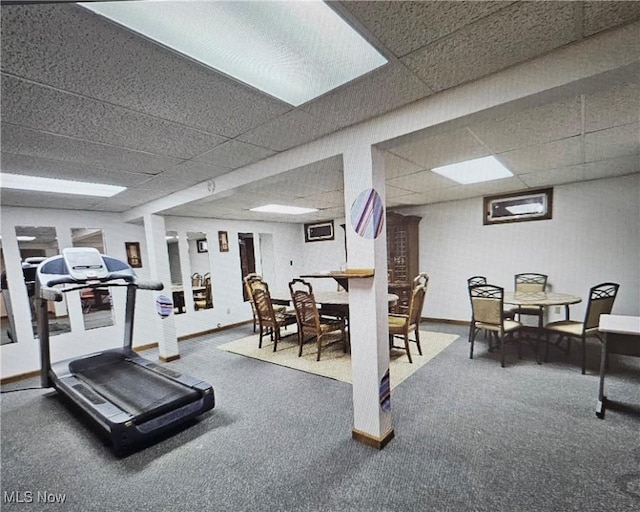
(130, 398)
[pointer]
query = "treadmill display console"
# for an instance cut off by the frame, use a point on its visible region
(85, 263)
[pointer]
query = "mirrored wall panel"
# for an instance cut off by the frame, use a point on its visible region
(177, 289)
(37, 243)
(97, 303)
(200, 270)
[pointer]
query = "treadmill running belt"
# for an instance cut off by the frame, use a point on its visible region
(136, 390)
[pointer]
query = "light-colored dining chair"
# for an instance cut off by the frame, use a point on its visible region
(269, 319)
(530, 282)
(474, 280)
(421, 279)
(601, 299)
(400, 325)
(487, 313)
(309, 320)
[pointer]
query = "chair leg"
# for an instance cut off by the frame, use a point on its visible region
(300, 342)
(406, 346)
(472, 338)
(319, 339)
(502, 344)
(276, 332)
(584, 354)
(344, 339)
(261, 334)
(418, 340)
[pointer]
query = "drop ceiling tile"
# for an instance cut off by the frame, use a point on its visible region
(43, 108)
(334, 198)
(406, 26)
(420, 182)
(289, 130)
(168, 183)
(19, 140)
(234, 154)
(551, 155)
(31, 199)
(322, 176)
(395, 167)
(612, 107)
(379, 92)
(612, 143)
(553, 176)
(512, 35)
(194, 168)
(393, 192)
(600, 16)
(72, 49)
(558, 120)
(34, 166)
(613, 167)
(442, 149)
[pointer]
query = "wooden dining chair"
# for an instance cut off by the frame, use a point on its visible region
(309, 320)
(203, 298)
(487, 306)
(252, 281)
(601, 299)
(400, 325)
(269, 319)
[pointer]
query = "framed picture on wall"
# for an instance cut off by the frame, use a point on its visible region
(223, 241)
(134, 257)
(202, 245)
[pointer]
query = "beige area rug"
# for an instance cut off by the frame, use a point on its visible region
(334, 363)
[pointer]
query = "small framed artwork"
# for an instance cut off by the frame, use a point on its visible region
(202, 245)
(319, 231)
(134, 257)
(518, 206)
(223, 241)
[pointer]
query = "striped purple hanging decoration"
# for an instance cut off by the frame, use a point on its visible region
(367, 214)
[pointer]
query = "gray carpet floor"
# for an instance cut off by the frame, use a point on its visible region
(470, 436)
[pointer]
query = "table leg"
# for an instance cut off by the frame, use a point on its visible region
(601, 404)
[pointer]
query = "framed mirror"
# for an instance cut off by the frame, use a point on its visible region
(200, 271)
(97, 303)
(175, 269)
(37, 243)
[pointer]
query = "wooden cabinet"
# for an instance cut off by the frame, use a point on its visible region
(402, 253)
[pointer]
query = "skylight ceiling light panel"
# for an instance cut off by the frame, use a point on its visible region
(57, 186)
(474, 171)
(292, 50)
(283, 209)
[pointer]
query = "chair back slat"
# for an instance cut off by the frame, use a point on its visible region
(264, 307)
(530, 282)
(416, 304)
(304, 304)
(601, 299)
(472, 281)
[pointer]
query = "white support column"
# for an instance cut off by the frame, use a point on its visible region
(155, 232)
(368, 306)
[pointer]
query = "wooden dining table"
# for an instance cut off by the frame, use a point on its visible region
(334, 298)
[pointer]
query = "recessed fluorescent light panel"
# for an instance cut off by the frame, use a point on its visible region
(292, 50)
(474, 171)
(287, 210)
(80, 188)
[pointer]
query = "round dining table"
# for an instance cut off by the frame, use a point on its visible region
(544, 299)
